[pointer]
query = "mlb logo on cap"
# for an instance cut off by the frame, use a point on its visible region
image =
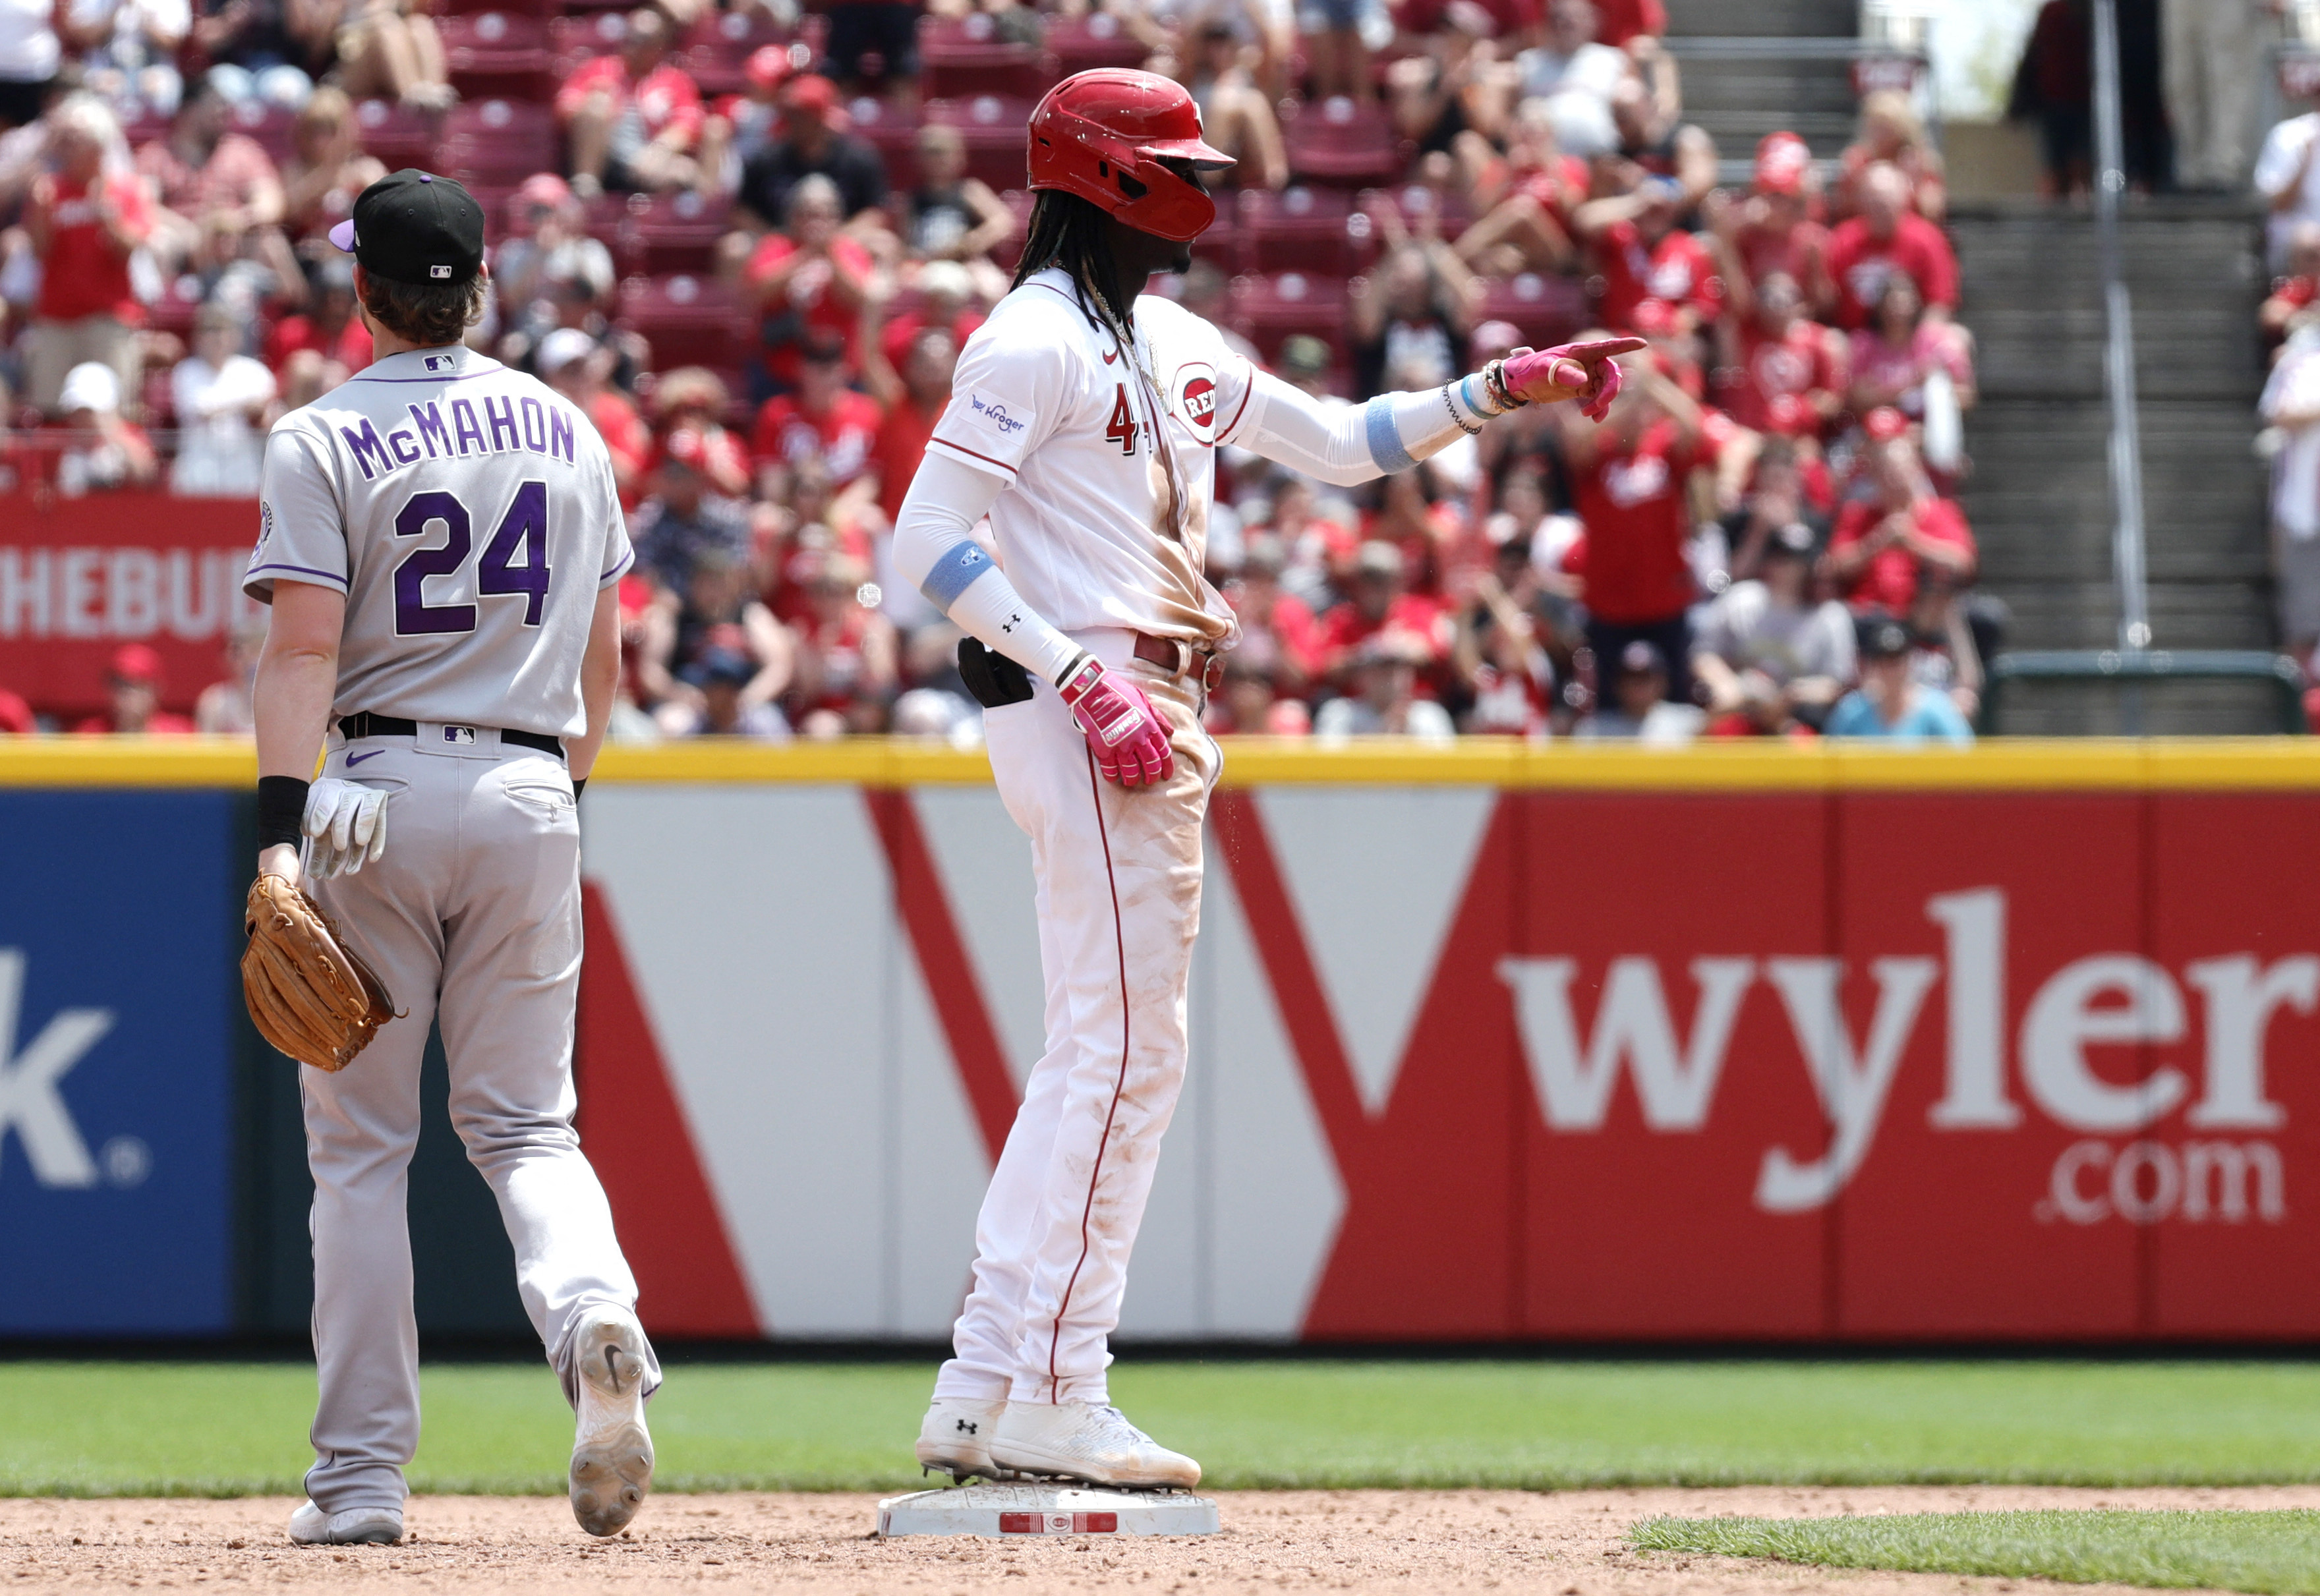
(414, 227)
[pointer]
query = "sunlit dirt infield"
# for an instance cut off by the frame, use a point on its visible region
(1564, 1544)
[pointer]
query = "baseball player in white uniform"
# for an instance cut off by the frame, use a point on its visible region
(1083, 423)
(440, 541)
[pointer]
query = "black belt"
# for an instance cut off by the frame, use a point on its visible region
(366, 724)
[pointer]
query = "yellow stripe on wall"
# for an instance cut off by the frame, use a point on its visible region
(2086, 763)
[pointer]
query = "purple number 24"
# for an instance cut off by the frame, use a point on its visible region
(523, 530)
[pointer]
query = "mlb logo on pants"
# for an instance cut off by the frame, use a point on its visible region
(459, 734)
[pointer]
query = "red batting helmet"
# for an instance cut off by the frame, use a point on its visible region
(1103, 135)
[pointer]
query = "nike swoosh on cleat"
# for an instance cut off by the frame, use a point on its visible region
(354, 759)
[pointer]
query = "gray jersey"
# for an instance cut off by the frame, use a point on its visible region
(469, 514)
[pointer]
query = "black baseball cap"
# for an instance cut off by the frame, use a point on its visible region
(415, 227)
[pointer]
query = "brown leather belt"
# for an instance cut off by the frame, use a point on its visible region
(1181, 659)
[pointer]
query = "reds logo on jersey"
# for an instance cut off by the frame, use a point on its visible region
(1195, 398)
(1630, 483)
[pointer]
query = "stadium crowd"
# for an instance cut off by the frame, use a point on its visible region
(748, 244)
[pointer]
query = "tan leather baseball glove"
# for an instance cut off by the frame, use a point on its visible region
(309, 993)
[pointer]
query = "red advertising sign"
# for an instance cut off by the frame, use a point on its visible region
(81, 577)
(1861, 1065)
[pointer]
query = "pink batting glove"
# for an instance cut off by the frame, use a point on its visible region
(1123, 730)
(1586, 372)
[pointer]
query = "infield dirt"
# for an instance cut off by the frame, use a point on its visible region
(1564, 1544)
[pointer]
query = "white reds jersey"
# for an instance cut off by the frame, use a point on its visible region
(468, 512)
(1091, 529)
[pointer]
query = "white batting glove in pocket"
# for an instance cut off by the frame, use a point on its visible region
(347, 824)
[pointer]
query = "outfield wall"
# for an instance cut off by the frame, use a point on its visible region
(1496, 1044)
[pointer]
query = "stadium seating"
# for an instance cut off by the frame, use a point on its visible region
(496, 53)
(1547, 310)
(1340, 142)
(1269, 309)
(497, 144)
(895, 138)
(993, 127)
(688, 320)
(399, 135)
(964, 57)
(669, 232)
(270, 125)
(1316, 230)
(1081, 44)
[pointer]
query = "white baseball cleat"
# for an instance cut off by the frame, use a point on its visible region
(956, 1437)
(611, 1451)
(1084, 1441)
(309, 1526)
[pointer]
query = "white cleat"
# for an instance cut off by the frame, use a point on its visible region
(309, 1526)
(956, 1437)
(611, 1451)
(1083, 1441)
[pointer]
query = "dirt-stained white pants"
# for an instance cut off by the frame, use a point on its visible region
(471, 917)
(1119, 885)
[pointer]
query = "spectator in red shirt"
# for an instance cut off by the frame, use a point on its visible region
(134, 684)
(1892, 130)
(222, 197)
(848, 659)
(823, 421)
(1280, 639)
(1631, 480)
(1619, 22)
(913, 399)
(1639, 253)
(813, 278)
(1779, 353)
(691, 399)
(635, 119)
(1886, 237)
(1901, 349)
(574, 364)
(328, 331)
(948, 292)
(84, 223)
(2293, 292)
(1882, 545)
(1772, 230)
(1380, 599)
(1527, 224)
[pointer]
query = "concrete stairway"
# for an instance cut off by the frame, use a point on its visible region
(1740, 99)
(2040, 492)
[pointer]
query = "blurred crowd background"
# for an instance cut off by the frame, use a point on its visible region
(749, 242)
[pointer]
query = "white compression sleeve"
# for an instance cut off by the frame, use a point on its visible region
(935, 548)
(1391, 433)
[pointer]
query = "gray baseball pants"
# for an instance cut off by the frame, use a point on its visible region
(472, 918)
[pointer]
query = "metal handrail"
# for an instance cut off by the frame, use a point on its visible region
(2149, 665)
(2128, 550)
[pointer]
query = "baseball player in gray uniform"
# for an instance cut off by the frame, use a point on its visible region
(440, 539)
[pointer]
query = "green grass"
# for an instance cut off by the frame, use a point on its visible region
(2230, 1551)
(120, 1428)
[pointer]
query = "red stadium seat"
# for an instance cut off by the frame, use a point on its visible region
(1342, 143)
(398, 135)
(1547, 310)
(896, 137)
(496, 52)
(270, 125)
(1225, 242)
(1449, 214)
(1316, 230)
(688, 320)
(1096, 39)
(966, 56)
(497, 142)
(736, 33)
(574, 39)
(672, 233)
(993, 128)
(1268, 310)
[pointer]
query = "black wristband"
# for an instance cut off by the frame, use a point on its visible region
(281, 811)
(579, 785)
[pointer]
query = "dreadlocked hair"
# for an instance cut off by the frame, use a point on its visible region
(1067, 231)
